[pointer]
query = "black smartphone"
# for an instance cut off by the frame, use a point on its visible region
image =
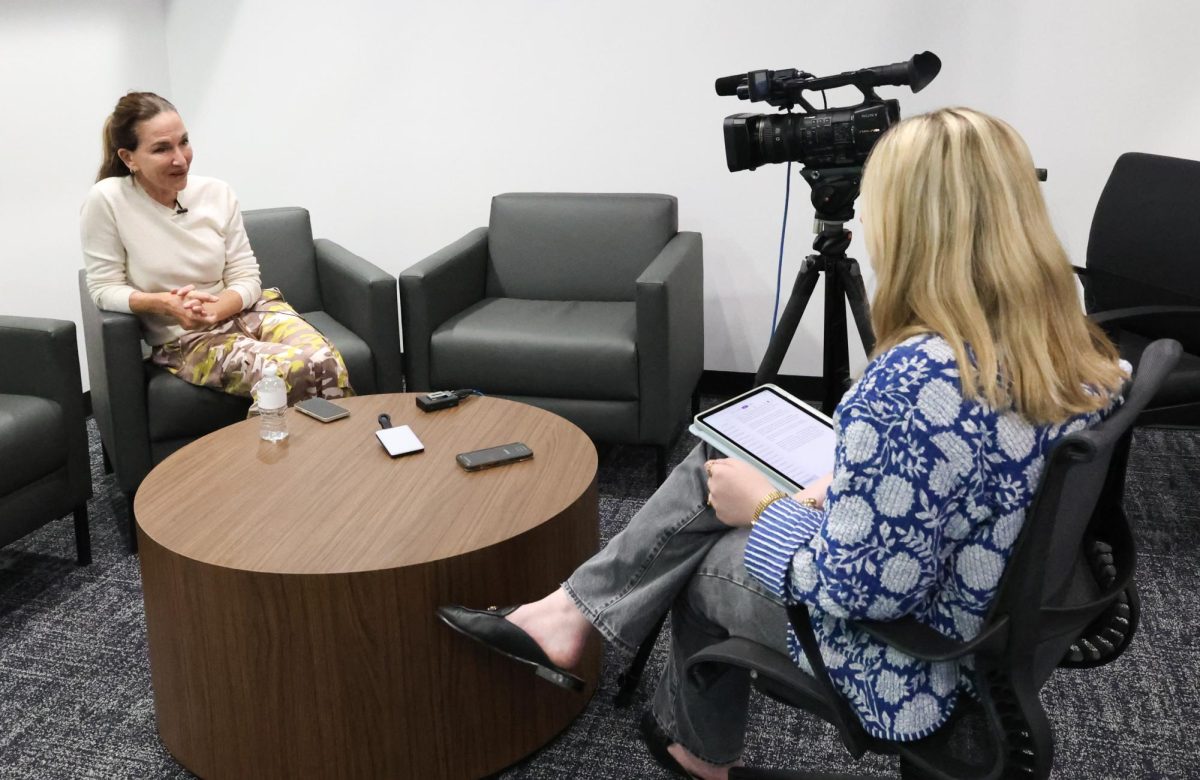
(322, 410)
(494, 456)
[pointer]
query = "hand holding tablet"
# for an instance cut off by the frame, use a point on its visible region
(769, 428)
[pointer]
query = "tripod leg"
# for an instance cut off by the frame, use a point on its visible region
(802, 290)
(836, 363)
(860, 307)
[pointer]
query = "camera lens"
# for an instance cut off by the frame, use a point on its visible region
(823, 139)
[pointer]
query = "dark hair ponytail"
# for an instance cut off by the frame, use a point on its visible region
(120, 129)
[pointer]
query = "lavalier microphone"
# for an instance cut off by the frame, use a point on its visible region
(179, 209)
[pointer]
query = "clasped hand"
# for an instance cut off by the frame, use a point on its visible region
(735, 488)
(189, 307)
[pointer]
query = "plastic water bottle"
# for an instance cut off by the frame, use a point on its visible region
(272, 403)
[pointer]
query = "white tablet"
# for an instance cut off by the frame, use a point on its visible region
(771, 429)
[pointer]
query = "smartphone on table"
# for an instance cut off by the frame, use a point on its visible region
(320, 409)
(494, 456)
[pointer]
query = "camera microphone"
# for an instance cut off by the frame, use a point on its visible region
(179, 209)
(727, 85)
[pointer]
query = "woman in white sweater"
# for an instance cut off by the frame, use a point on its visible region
(189, 273)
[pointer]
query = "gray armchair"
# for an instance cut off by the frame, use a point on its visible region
(587, 305)
(43, 438)
(144, 413)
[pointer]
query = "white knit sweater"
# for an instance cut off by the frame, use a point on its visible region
(132, 242)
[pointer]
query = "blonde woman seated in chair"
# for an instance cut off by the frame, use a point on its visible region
(984, 360)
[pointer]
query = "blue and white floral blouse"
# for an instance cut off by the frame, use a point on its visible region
(928, 495)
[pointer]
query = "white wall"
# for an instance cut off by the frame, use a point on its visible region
(63, 64)
(396, 122)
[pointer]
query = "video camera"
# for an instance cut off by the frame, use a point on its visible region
(818, 138)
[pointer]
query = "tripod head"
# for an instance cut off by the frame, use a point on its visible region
(833, 193)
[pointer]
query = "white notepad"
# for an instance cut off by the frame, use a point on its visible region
(783, 437)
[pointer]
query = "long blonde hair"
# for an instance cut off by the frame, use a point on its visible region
(963, 247)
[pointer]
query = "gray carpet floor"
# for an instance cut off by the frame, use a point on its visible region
(75, 697)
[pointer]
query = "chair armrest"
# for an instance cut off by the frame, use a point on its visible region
(42, 359)
(118, 386)
(362, 296)
(920, 641)
(1113, 320)
(777, 676)
(1114, 316)
(670, 335)
(433, 291)
(774, 673)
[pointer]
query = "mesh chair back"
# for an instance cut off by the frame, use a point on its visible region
(1080, 494)
(575, 246)
(1144, 247)
(283, 242)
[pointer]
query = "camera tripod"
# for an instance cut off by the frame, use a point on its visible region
(833, 194)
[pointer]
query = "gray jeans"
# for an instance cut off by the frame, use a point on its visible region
(675, 554)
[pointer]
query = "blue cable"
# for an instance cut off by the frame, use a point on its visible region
(787, 196)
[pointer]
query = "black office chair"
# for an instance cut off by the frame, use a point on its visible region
(1067, 599)
(43, 433)
(1142, 280)
(145, 413)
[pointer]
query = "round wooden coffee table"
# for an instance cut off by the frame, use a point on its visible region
(290, 592)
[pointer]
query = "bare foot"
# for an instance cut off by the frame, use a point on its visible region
(698, 768)
(557, 625)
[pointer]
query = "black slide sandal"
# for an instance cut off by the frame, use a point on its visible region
(489, 628)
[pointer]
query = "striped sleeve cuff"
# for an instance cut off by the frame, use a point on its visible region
(782, 529)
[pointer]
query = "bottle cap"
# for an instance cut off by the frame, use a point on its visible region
(270, 369)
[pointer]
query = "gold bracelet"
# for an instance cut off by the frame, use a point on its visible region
(809, 502)
(768, 499)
